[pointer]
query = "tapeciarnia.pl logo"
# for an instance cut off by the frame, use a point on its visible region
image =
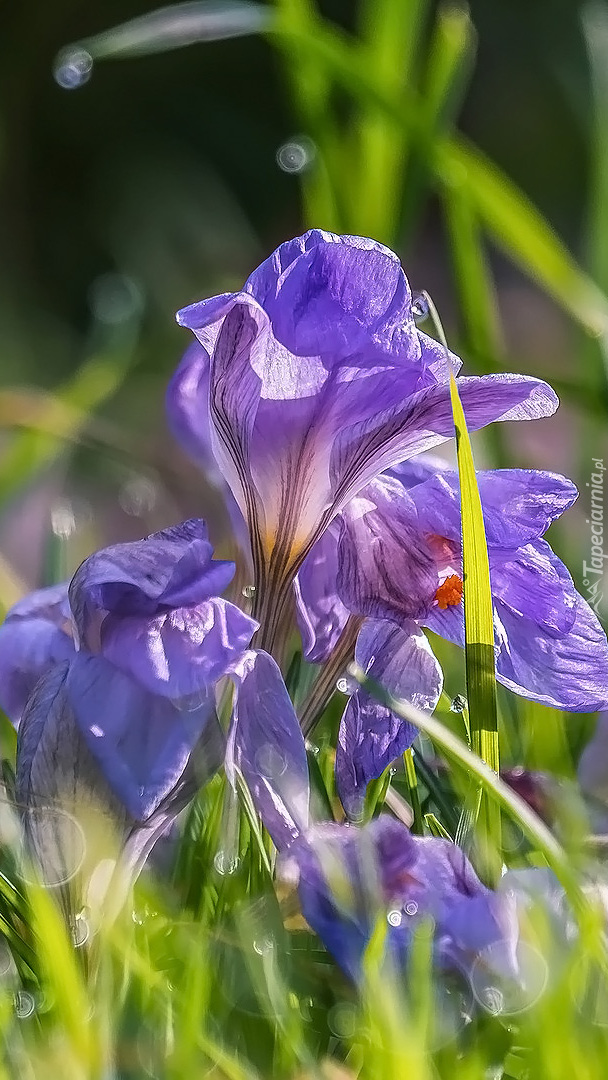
(593, 571)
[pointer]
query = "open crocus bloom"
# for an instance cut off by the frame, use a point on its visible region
(398, 561)
(348, 877)
(153, 639)
(318, 380)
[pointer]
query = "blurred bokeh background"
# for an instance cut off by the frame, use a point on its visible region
(168, 175)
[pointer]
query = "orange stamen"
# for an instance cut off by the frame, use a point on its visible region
(449, 592)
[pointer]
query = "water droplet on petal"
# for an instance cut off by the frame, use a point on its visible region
(190, 703)
(72, 68)
(394, 917)
(296, 155)
(270, 762)
(248, 591)
(420, 306)
(411, 908)
(24, 1004)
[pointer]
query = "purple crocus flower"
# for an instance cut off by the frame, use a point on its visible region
(35, 636)
(397, 559)
(153, 638)
(349, 877)
(318, 380)
(266, 748)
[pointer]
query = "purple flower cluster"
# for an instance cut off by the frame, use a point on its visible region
(311, 394)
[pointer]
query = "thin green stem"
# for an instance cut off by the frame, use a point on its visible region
(412, 784)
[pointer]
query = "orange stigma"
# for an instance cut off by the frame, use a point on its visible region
(449, 592)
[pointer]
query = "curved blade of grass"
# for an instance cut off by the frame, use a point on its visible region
(522, 232)
(456, 751)
(478, 626)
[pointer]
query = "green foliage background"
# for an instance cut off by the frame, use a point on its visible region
(474, 142)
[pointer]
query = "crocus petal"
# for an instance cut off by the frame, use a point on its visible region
(180, 653)
(187, 404)
(363, 450)
(54, 765)
(322, 336)
(385, 568)
(33, 638)
(266, 747)
(321, 614)
(320, 379)
(140, 741)
(371, 736)
(336, 295)
(518, 504)
(150, 608)
(533, 582)
(569, 672)
(418, 469)
(171, 568)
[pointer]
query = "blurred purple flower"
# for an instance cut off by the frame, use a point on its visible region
(319, 379)
(348, 877)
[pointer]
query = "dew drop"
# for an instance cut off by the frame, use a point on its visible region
(458, 704)
(72, 68)
(411, 908)
(79, 930)
(263, 946)
(248, 591)
(346, 685)
(296, 155)
(225, 863)
(420, 306)
(394, 917)
(190, 703)
(270, 762)
(24, 1004)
